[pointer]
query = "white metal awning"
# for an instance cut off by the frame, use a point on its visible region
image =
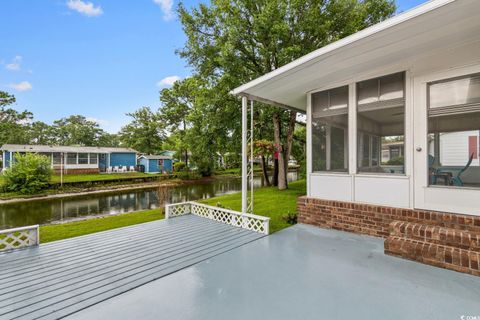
(437, 24)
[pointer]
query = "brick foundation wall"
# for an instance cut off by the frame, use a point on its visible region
(444, 240)
(77, 171)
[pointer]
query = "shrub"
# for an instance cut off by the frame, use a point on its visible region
(28, 174)
(396, 161)
(290, 218)
(204, 169)
(179, 166)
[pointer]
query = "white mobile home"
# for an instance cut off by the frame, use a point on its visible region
(413, 79)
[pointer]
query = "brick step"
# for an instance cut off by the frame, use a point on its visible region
(462, 239)
(434, 254)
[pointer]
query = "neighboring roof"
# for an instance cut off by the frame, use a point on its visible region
(43, 148)
(155, 157)
(435, 25)
(170, 153)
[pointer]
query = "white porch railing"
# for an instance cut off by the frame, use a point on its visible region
(234, 218)
(17, 238)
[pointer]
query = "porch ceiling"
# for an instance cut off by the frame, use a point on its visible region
(436, 25)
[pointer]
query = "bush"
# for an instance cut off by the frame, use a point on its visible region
(398, 161)
(290, 218)
(179, 166)
(204, 168)
(28, 174)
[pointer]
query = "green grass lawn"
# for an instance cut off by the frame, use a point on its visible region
(100, 177)
(268, 202)
(55, 232)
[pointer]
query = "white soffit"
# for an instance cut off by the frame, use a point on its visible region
(432, 26)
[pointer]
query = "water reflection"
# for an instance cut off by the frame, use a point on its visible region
(45, 211)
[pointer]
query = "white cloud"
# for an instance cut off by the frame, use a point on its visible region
(168, 81)
(86, 8)
(99, 121)
(22, 86)
(15, 64)
(167, 8)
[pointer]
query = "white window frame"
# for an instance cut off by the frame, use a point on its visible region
(434, 197)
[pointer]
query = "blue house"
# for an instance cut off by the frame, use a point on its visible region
(156, 163)
(74, 159)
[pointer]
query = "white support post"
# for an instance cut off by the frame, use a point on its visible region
(244, 155)
(309, 141)
(251, 158)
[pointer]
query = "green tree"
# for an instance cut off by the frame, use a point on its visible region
(232, 42)
(15, 126)
(28, 174)
(109, 140)
(177, 103)
(263, 149)
(145, 133)
(41, 133)
(6, 99)
(77, 130)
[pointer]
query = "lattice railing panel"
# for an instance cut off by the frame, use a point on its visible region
(247, 221)
(177, 209)
(17, 238)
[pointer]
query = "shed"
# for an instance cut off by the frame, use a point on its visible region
(156, 163)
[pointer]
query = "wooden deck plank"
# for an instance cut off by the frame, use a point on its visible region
(26, 269)
(78, 243)
(66, 277)
(75, 270)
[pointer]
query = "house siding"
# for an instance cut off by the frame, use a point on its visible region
(168, 165)
(123, 159)
(153, 165)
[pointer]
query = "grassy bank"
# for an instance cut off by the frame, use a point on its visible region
(55, 232)
(269, 202)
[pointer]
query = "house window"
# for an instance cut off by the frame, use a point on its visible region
(83, 158)
(454, 132)
(71, 158)
(330, 130)
(381, 124)
(57, 158)
(93, 158)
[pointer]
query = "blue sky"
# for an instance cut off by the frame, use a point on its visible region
(98, 58)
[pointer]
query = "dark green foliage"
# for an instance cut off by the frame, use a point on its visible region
(290, 218)
(145, 133)
(28, 174)
(179, 166)
(398, 161)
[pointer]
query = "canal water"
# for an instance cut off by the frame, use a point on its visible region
(44, 211)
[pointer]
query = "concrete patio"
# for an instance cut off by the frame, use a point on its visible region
(302, 272)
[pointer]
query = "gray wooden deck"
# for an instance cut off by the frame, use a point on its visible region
(57, 279)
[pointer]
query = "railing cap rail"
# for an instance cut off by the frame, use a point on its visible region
(19, 229)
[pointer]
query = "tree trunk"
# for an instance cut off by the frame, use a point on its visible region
(282, 182)
(265, 172)
(275, 172)
(290, 132)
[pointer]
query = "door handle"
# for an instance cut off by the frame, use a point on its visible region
(419, 149)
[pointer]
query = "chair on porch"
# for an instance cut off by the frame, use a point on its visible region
(456, 179)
